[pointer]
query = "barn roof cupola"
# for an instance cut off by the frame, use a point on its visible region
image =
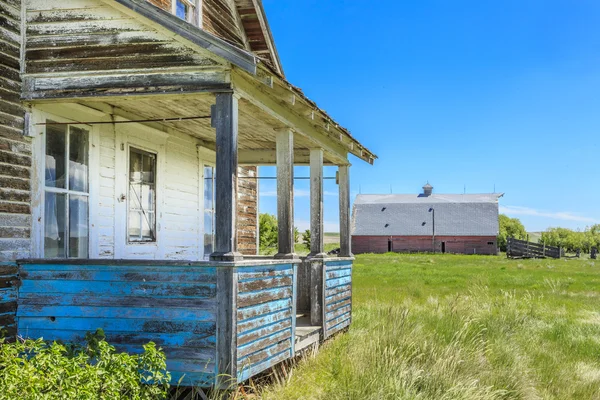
(427, 190)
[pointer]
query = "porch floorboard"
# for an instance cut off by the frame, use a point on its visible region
(306, 334)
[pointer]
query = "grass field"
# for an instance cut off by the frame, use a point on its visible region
(461, 327)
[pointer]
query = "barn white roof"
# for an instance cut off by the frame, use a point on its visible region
(409, 215)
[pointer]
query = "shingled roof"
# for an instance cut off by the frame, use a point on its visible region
(409, 215)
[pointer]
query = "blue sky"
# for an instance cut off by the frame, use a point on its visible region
(457, 93)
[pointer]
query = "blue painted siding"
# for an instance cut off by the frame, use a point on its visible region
(338, 296)
(265, 317)
(9, 283)
(173, 306)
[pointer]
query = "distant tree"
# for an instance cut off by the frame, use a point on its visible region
(510, 227)
(267, 231)
(571, 240)
(306, 239)
(296, 235)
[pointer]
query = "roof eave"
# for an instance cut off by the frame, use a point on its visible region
(239, 57)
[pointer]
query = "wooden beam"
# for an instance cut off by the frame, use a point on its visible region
(316, 204)
(285, 193)
(258, 95)
(226, 327)
(345, 239)
(269, 157)
(225, 121)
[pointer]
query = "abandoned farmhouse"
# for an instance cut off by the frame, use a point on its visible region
(130, 135)
(426, 222)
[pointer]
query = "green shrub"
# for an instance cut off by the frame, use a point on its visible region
(306, 239)
(510, 227)
(34, 369)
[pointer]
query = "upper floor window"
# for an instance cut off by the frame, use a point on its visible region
(66, 192)
(184, 9)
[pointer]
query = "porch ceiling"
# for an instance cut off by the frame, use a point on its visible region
(257, 128)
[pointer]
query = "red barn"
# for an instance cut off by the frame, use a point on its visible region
(427, 222)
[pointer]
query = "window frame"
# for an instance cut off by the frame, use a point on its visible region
(203, 164)
(37, 131)
(140, 150)
(194, 15)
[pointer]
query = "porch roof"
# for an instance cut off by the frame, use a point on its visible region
(267, 78)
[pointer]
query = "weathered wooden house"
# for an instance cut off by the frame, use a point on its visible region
(426, 222)
(130, 132)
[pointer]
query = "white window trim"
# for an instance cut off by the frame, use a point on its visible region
(205, 157)
(153, 141)
(194, 17)
(38, 117)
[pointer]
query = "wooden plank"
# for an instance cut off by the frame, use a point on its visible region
(340, 296)
(339, 312)
(266, 354)
(263, 330)
(165, 340)
(337, 321)
(333, 283)
(91, 323)
(260, 284)
(338, 327)
(317, 292)
(285, 193)
(264, 342)
(227, 298)
(345, 235)
(264, 309)
(316, 203)
(95, 300)
(120, 274)
(160, 313)
(225, 120)
(264, 296)
(338, 273)
(334, 306)
(249, 371)
(246, 274)
(118, 289)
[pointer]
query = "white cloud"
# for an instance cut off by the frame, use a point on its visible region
(563, 216)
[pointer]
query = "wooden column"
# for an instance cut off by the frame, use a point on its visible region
(285, 193)
(225, 121)
(316, 204)
(345, 239)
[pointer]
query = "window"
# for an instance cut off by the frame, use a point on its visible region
(66, 192)
(141, 209)
(490, 243)
(184, 9)
(209, 210)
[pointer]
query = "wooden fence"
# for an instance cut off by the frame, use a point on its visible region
(523, 249)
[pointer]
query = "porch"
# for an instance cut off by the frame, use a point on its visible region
(218, 322)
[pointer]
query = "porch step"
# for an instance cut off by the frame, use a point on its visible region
(306, 334)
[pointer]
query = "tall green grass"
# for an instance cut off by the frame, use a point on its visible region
(461, 327)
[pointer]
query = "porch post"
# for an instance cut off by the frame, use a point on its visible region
(345, 239)
(285, 193)
(316, 204)
(225, 121)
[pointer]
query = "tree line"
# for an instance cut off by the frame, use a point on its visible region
(568, 239)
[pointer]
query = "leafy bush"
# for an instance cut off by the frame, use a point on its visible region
(267, 231)
(571, 240)
(34, 369)
(510, 227)
(306, 239)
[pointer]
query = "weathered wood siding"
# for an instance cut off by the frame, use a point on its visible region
(173, 306)
(221, 18)
(9, 283)
(124, 54)
(338, 296)
(15, 149)
(247, 221)
(265, 317)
